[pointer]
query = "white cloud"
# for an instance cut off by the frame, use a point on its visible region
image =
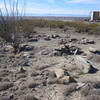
(83, 1)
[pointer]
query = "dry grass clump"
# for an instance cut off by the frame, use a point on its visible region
(10, 28)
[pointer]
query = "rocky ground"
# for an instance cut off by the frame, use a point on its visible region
(51, 65)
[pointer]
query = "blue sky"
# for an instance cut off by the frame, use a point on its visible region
(57, 7)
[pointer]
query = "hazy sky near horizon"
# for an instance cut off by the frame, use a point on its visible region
(56, 7)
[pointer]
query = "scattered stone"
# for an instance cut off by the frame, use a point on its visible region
(80, 85)
(25, 47)
(28, 48)
(60, 72)
(70, 89)
(42, 67)
(47, 38)
(85, 66)
(29, 97)
(87, 41)
(34, 73)
(92, 97)
(7, 97)
(54, 36)
(63, 76)
(90, 41)
(33, 40)
(8, 48)
(95, 92)
(4, 73)
(63, 41)
(33, 84)
(56, 53)
(22, 70)
(26, 54)
(67, 50)
(5, 85)
(93, 50)
(74, 40)
(85, 90)
(26, 63)
(52, 80)
(45, 52)
(21, 76)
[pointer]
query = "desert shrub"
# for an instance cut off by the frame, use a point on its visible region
(10, 28)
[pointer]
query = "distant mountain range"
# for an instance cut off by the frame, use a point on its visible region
(63, 18)
(65, 15)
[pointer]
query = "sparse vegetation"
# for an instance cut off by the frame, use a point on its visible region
(27, 25)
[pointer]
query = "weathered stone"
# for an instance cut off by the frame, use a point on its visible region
(59, 72)
(85, 66)
(93, 50)
(66, 80)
